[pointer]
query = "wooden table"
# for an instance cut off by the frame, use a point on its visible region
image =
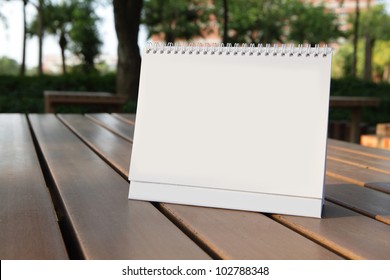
(106, 101)
(64, 187)
(356, 104)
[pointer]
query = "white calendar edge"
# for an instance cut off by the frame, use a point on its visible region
(249, 201)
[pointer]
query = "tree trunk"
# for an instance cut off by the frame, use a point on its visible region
(367, 75)
(355, 38)
(40, 36)
(369, 45)
(63, 43)
(225, 21)
(23, 65)
(127, 15)
(386, 73)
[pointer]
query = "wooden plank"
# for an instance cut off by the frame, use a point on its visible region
(358, 149)
(332, 180)
(363, 161)
(330, 236)
(129, 118)
(259, 236)
(216, 229)
(359, 165)
(29, 228)
(113, 124)
(359, 176)
(351, 234)
(104, 223)
(93, 134)
(366, 201)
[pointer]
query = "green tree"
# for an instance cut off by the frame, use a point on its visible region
(356, 22)
(312, 24)
(37, 28)
(375, 25)
(8, 66)
(59, 23)
(257, 21)
(23, 65)
(127, 14)
(271, 21)
(74, 24)
(180, 19)
(40, 6)
(381, 60)
(85, 37)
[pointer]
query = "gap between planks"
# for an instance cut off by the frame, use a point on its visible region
(167, 209)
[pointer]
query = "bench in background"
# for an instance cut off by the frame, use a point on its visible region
(106, 101)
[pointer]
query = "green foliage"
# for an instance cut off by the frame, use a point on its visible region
(250, 21)
(376, 22)
(25, 94)
(342, 61)
(8, 66)
(85, 37)
(312, 24)
(357, 87)
(269, 21)
(381, 60)
(59, 18)
(180, 19)
(257, 21)
(74, 23)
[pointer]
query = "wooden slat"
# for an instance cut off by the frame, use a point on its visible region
(244, 235)
(358, 149)
(129, 118)
(331, 180)
(93, 133)
(227, 234)
(360, 160)
(367, 201)
(113, 124)
(105, 224)
(28, 224)
(361, 176)
(345, 231)
(372, 203)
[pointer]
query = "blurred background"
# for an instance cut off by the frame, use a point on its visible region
(93, 45)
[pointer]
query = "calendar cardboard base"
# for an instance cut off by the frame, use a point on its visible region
(250, 201)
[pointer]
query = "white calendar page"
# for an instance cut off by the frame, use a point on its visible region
(229, 125)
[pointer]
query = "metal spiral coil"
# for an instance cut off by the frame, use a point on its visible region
(287, 50)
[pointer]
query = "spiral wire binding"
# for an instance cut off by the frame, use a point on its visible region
(237, 49)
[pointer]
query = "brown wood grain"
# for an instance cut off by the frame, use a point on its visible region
(206, 224)
(113, 124)
(244, 235)
(226, 234)
(357, 175)
(371, 162)
(28, 223)
(358, 149)
(366, 201)
(129, 118)
(105, 224)
(93, 135)
(351, 234)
